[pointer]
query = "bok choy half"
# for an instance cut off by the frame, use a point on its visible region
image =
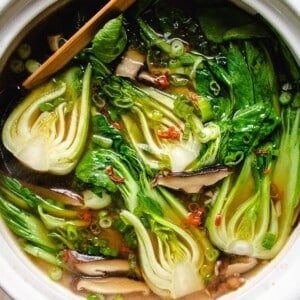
(48, 129)
(256, 209)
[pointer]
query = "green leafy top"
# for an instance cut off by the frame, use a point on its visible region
(110, 41)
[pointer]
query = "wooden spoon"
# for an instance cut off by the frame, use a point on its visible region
(77, 42)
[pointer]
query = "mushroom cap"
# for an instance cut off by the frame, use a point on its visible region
(192, 182)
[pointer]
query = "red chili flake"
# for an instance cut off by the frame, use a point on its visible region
(267, 171)
(116, 125)
(261, 151)
(112, 176)
(194, 97)
(162, 81)
(274, 193)
(85, 215)
(194, 218)
(65, 255)
(171, 133)
(218, 220)
(125, 249)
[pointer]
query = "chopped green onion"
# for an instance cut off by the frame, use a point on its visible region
(285, 97)
(72, 232)
(177, 48)
(178, 80)
(31, 65)
(16, 66)
(233, 159)
(211, 254)
(105, 222)
(102, 141)
(55, 273)
(98, 101)
(24, 51)
(269, 240)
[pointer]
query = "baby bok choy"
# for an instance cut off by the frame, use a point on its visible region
(44, 226)
(174, 260)
(164, 129)
(48, 129)
(254, 214)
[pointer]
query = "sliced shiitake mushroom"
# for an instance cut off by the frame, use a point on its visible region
(65, 196)
(131, 63)
(110, 285)
(101, 266)
(192, 182)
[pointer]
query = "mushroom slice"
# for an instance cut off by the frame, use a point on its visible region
(101, 266)
(146, 77)
(55, 41)
(111, 285)
(104, 267)
(131, 63)
(241, 267)
(65, 196)
(192, 182)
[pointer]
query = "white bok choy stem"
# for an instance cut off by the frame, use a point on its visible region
(48, 129)
(173, 269)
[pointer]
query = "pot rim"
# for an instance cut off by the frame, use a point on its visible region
(274, 280)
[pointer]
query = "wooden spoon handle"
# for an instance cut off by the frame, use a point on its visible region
(76, 43)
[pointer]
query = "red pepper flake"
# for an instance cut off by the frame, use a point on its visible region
(218, 220)
(162, 81)
(116, 125)
(261, 151)
(274, 193)
(65, 255)
(267, 171)
(125, 249)
(112, 176)
(171, 133)
(194, 97)
(85, 215)
(194, 217)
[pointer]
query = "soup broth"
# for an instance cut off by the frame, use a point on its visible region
(176, 189)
